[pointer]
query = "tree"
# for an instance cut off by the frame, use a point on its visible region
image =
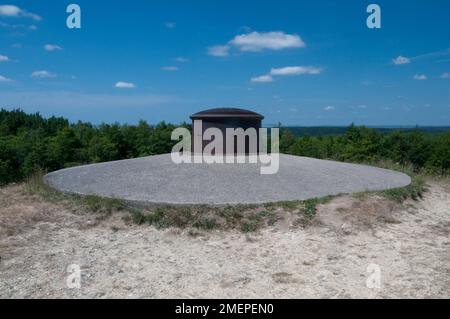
(62, 149)
(101, 150)
(287, 140)
(439, 159)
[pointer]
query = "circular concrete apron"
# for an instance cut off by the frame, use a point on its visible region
(157, 180)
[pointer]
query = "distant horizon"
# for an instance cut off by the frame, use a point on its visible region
(264, 124)
(371, 126)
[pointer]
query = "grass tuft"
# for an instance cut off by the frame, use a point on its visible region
(35, 185)
(414, 191)
(310, 209)
(137, 217)
(205, 223)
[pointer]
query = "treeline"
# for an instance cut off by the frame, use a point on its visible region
(420, 149)
(29, 142)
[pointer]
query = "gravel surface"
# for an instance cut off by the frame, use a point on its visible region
(157, 179)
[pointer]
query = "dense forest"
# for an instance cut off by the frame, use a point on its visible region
(29, 143)
(416, 148)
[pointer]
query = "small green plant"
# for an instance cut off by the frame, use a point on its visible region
(100, 204)
(155, 217)
(249, 226)
(94, 203)
(272, 220)
(289, 205)
(255, 221)
(163, 223)
(260, 215)
(180, 217)
(137, 217)
(232, 215)
(310, 209)
(159, 218)
(205, 223)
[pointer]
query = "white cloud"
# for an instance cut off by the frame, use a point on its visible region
(124, 85)
(170, 68)
(43, 74)
(401, 60)
(256, 41)
(4, 58)
(12, 26)
(295, 70)
(362, 106)
(14, 11)
(33, 16)
(262, 79)
(289, 70)
(420, 77)
(180, 59)
(219, 50)
(329, 108)
(16, 26)
(10, 11)
(52, 47)
(171, 25)
(4, 79)
(445, 75)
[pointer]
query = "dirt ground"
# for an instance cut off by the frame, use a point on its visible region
(359, 247)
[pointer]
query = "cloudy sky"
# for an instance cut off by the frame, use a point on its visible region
(296, 62)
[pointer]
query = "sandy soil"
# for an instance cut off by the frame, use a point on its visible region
(352, 240)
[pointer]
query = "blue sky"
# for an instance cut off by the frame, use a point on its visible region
(296, 62)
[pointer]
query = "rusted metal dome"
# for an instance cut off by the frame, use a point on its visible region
(226, 112)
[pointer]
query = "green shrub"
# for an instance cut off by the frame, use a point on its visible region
(137, 216)
(310, 209)
(205, 223)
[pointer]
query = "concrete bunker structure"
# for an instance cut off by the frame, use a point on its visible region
(222, 119)
(157, 180)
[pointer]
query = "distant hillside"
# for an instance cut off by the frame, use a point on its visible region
(301, 131)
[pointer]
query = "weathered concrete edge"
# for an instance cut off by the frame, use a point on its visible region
(155, 204)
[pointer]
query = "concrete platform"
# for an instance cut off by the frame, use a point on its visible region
(157, 180)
